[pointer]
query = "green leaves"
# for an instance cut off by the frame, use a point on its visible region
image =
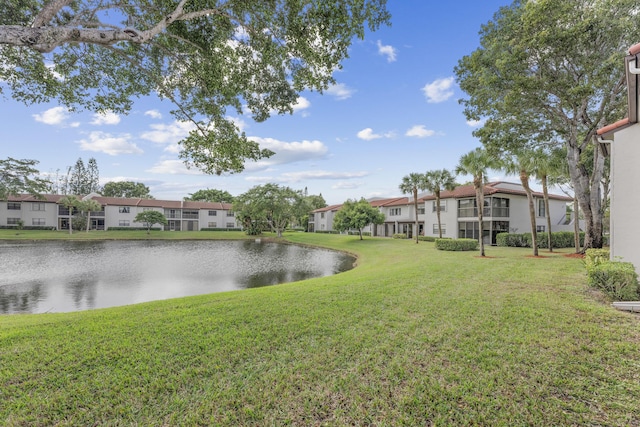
(20, 176)
(206, 56)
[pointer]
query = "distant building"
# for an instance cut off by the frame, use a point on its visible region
(116, 212)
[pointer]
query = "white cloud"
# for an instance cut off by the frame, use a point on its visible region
(173, 167)
(106, 118)
(388, 51)
(301, 104)
(52, 116)
(240, 124)
(368, 135)
(439, 90)
(168, 134)
(340, 91)
(106, 143)
(419, 131)
(305, 175)
(347, 185)
(154, 114)
(290, 152)
(475, 123)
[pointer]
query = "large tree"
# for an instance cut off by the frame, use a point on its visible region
(549, 72)
(411, 184)
(270, 204)
(71, 203)
(436, 181)
(355, 215)
(126, 189)
(476, 163)
(88, 206)
(210, 195)
(208, 57)
(20, 176)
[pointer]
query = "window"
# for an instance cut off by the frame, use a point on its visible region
(443, 206)
(38, 206)
(443, 227)
(541, 208)
(230, 213)
(420, 211)
(395, 211)
(213, 213)
(123, 223)
(38, 221)
(13, 221)
(124, 209)
(190, 214)
(13, 206)
(230, 225)
(212, 225)
(467, 208)
(321, 215)
(500, 207)
(540, 228)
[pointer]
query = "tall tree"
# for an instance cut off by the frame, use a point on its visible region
(436, 181)
(476, 163)
(20, 176)
(126, 189)
(93, 177)
(269, 203)
(355, 215)
(78, 181)
(551, 70)
(411, 184)
(206, 57)
(210, 195)
(522, 164)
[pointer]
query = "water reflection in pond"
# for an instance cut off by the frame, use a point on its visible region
(38, 277)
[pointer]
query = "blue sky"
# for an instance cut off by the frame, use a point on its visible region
(394, 111)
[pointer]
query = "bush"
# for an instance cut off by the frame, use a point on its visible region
(357, 233)
(617, 279)
(327, 231)
(220, 229)
(133, 229)
(428, 238)
(399, 236)
(457, 244)
(559, 239)
(593, 257)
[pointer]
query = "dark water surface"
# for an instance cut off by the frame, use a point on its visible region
(39, 277)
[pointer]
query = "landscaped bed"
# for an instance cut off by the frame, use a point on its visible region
(412, 336)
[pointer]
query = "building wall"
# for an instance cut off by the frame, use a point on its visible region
(625, 203)
(448, 218)
(43, 218)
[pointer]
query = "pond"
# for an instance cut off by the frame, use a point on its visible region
(40, 277)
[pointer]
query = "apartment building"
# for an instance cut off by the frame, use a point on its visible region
(47, 212)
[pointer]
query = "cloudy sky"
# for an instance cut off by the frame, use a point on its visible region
(393, 111)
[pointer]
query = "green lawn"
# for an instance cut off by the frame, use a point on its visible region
(412, 336)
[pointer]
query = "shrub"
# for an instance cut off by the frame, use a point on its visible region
(457, 244)
(220, 229)
(133, 228)
(399, 236)
(327, 232)
(428, 238)
(357, 233)
(617, 279)
(512, 240)
(593, 257)
(559, 239)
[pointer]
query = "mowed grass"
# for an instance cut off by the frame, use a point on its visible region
(412, 336)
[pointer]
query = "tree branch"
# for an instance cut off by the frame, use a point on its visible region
(50, 10)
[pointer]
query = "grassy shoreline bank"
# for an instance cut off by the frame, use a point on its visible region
(412, 336)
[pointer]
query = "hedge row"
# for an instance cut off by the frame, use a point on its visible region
(457, 244)
(220, 229)
(357, 233)
(399, 236)
(617, 279)
(327, 231)
(559, 239)
(133, 229)
(28, 227)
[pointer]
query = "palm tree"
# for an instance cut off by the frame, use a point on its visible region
(436, 181)
(548, 164)
(88, 206)
(476, 163)
(522, 164)
(70, 202)
(411, 184)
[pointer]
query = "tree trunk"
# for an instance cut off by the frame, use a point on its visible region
(524, 179)
(478, 184)
(415, 204)
(360, 232)
(88, 220)
(587, 191)
(545, 192)
(438, 214)
(576, 224)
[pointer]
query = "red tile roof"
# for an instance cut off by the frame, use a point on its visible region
(620, 124)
